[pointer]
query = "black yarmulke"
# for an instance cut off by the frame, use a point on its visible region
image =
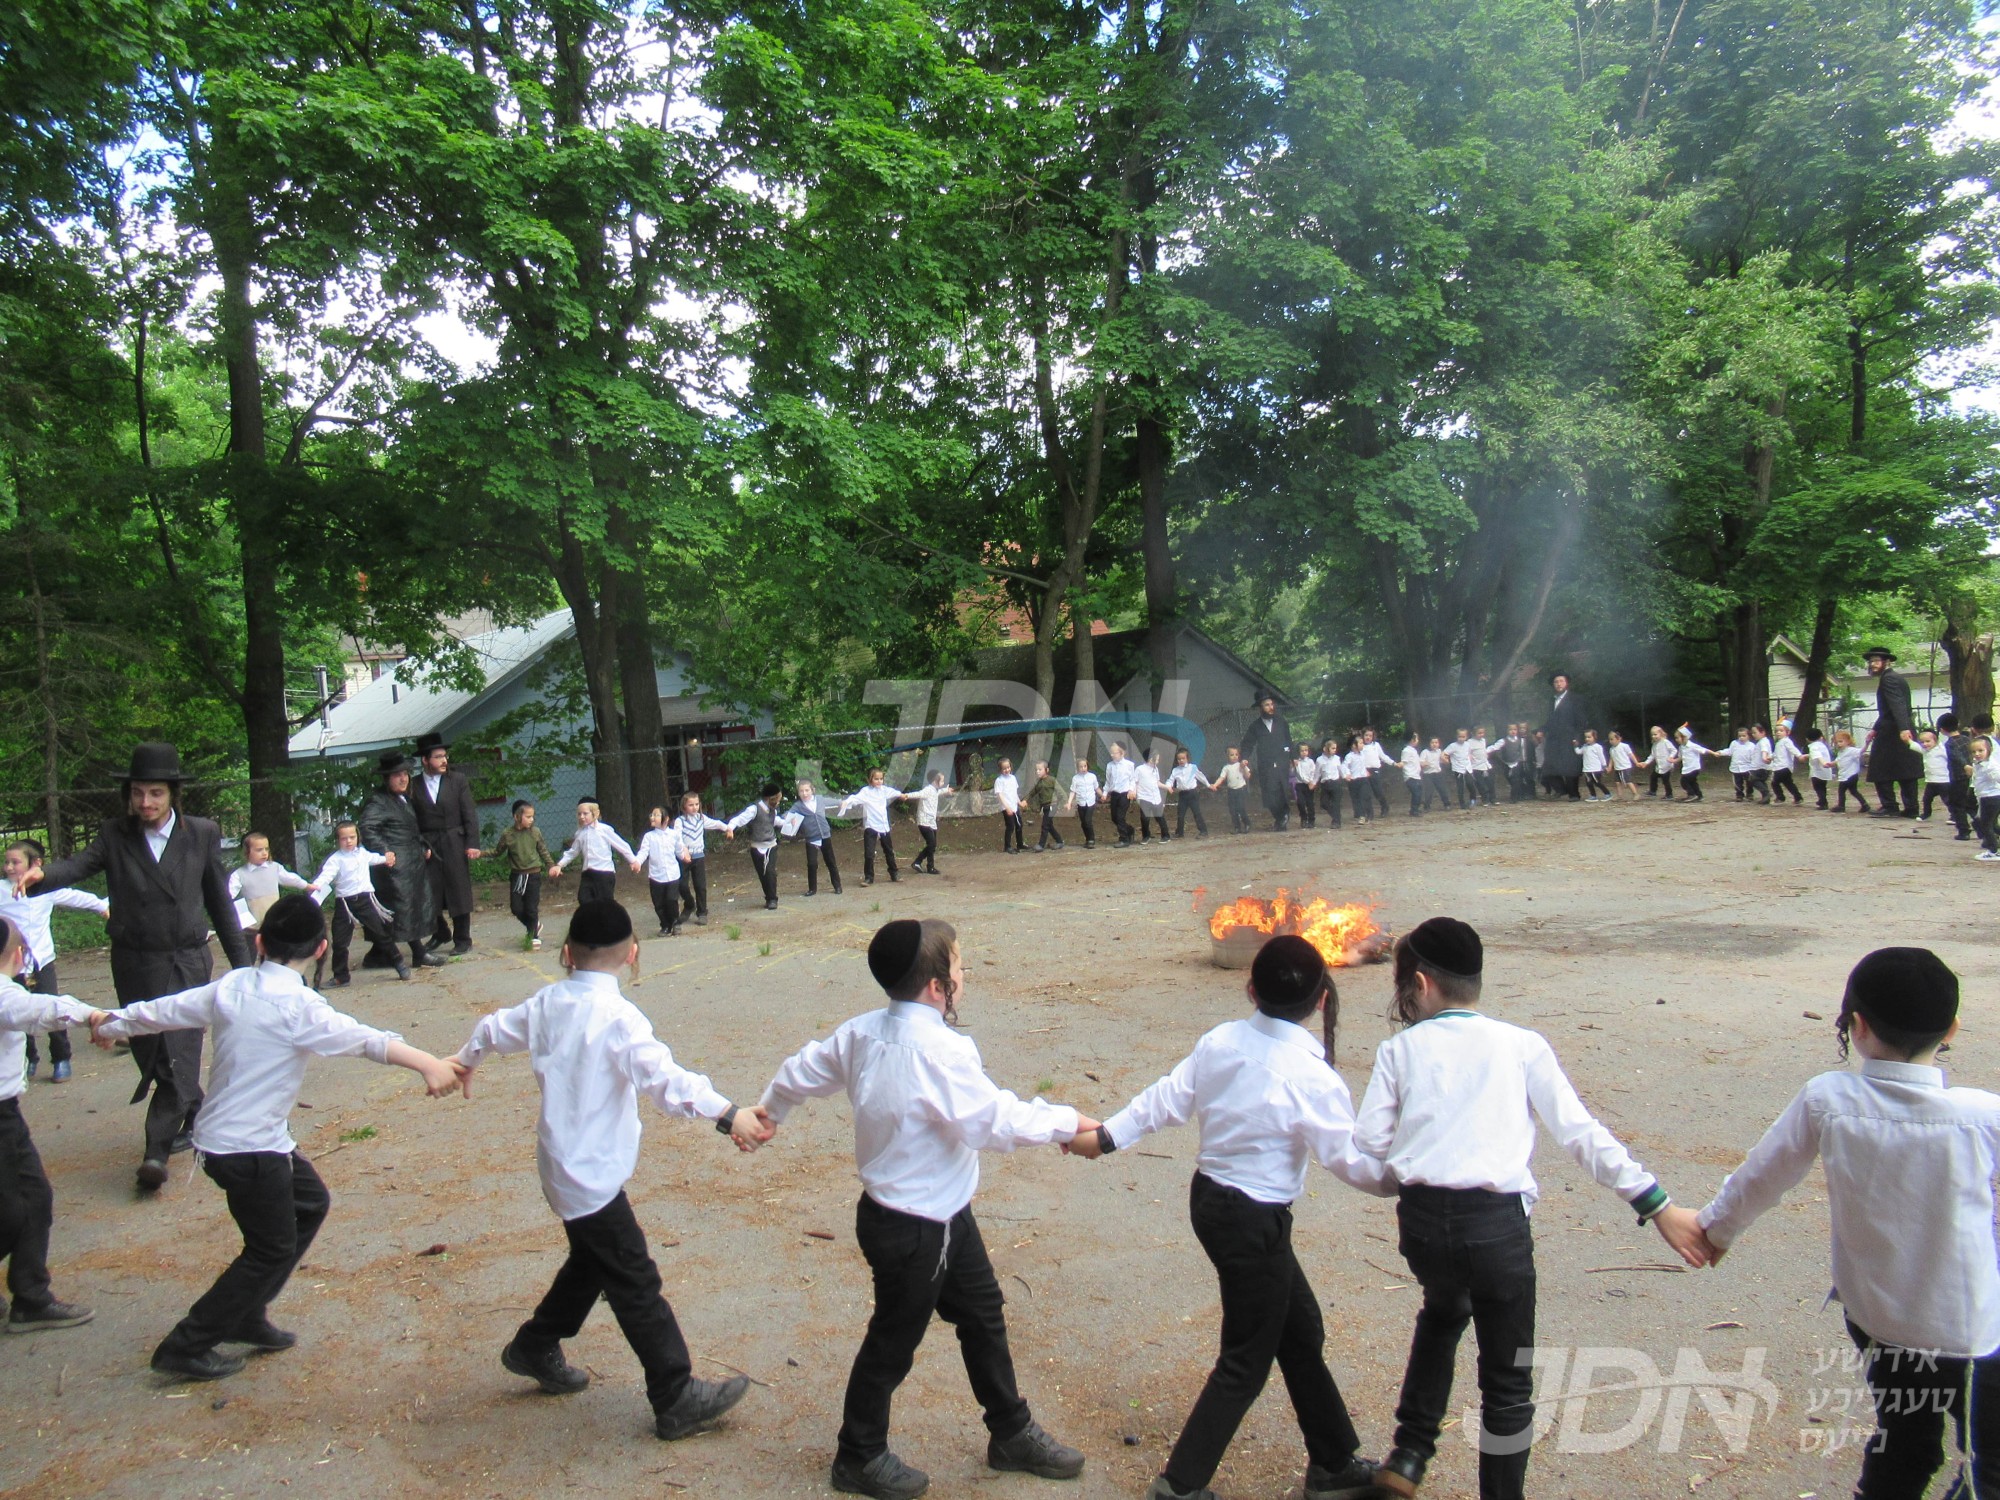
(1449, 946)
(600, 924)
(295, 921)
(1287, 971)
(1911, 990)
(892, 952)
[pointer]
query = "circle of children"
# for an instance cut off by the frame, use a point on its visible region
(1447, 1126)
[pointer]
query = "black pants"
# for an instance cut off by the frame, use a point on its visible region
(1914, 1391)
(814, 854)
(1436, 787)
(1691, 785)
(27, 1209)
(1963, 805)
(1276, 802)
(1121, 803)
(1851, 784)
(169, 1062)
(1783, 782)
(1239, 809)
(1416, 790)
(870, 842)
(524, 900)
(1362, 796)
(596, 885)
(1307, 797)
(279, 1203)
(1151, 814)
(608, 1258)
(1934, 793)
(1049, 835)
(1329, 801)
(1520, 788)
(59, 1048)
(1010, 831)
(1269, 1313)
(1886, 791)
(1819, 785)
(927, 856)
(1086, 821)
(666, 896)
(922, 1267)
(1468, 789)
(1594, 780)
(351, 912)
(694, 888)
(1473, 1255)
(1189, 802)
(459, 926)
(1986, 825)
(764, 862)
(1656, 778)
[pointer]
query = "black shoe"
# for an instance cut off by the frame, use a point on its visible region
(211, 1364)
(836, 889)
(812, 893)
(702, 920)
(402, 971)
(265, 1339)
(546, 1367)
(339, 984)
(433, 960)
(1033, 1451)
(153, 1174)
(893, 879)
(699, 1407)
(1159, 1489)
(54, 1315)
(867, 879)
(459, 950)
(770, 906)
(1353, 1480)
(1401, 1473)
(885, 1477)
(182, 1142)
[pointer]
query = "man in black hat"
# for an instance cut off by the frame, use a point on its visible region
(388, 825)
(163, 874)
(449, 824)
(1562, 741)
(1267, 748)
(1894, 761)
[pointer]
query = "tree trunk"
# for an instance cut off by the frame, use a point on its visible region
(1748, 665)
(59, 840)
(1813, 690)
(1970, 657)
(1161, 585)
(596, 642)
(1083, 643)
(639, 680)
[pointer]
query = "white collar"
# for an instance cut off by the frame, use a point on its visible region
(918, 1011)
(166, 829)
(283, 976)
(1903, 1072)
(1289, 1032)
(594, 979)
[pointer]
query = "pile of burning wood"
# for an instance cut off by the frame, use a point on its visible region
(1346, 934)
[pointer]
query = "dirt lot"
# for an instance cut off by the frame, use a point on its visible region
(1670, 952)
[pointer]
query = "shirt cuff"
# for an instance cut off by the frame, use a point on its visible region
(1648, 1201)
(377, 1046)
(778, 1107)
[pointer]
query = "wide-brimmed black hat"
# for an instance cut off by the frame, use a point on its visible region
(390, 762)
(429, 742)
(155, 761)
(1882, 651)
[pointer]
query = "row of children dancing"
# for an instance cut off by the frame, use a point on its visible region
(1447, 1126)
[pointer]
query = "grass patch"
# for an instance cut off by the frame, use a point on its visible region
(763, 950)
(732, 932)
(360, 1133)
(1044, 1085)
(876, 907)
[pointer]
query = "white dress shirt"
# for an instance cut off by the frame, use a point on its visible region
(1432, 761)
(599, 844)
(1593, 759)
(1355, 765)
(156, 838)
(1690, 757)
(431, 783)
(1742, 756)
(248, 882)
(1453, 1104)
(776, 825)
(1785, 755)
(1373, 756)
(1306, 770)
(1329, 767)
(1459, 753)
(31, 914)
(1008, 789)
(1909, 1185)
(661, 851)
(1847, 762)
(21, 1012)
(1146, 784)
(594, 1054)
(1663, 755)
(923, 1106)
(1481, 761)
(1622, 758)
(1084, 787)
(694, 830)
(345, 873)
(1412, 762)
(1985, 776)
(874, 804)
(1820, 760)
(1267, 1101)
(1234, 774)
(1118, 774)
(1763, 753)
(926, 798)
(263, 1025)
(1187, 777)
(1937, 765)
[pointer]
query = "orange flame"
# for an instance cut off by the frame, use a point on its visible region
(1341, 933)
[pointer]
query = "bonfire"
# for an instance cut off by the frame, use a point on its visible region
(1347, 934)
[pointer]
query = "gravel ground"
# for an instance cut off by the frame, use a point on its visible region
(1671, 953)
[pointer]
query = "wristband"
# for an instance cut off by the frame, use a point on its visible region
(1649, 1203)
(1105, 1144)
(726, 1122)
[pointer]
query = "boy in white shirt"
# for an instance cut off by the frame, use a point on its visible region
(1986, 796)
(599, 846)
(1819, 765)
(694, 826)
(1268, 1102)
(1235, 781)
(258, 882)
(1411, 762)
(32, 914)
(1187, 783)
(1742, 761)
(1760, 767)
(1937, 775)
(1084, 790)
(264, 1025)
(873, 800)
(1459, 754)
(764, 825)
(659, 856)
(1435, 781)
(594, 1054)
(1661, 758)
(1847, 770)
(1376, 756)
(1360, 790)
(1327, 763)
(1007, 788)
(924, 1108)
(1482, 765)
(926, 798)
(27, 1202)
(1909, 1186)
(812, 825)
(1624, 766)
(1594, 762)
(1150, 797)
(1120, 775)
(1305, 783)
(1785, 755)
(344, 879)
(1689, 755)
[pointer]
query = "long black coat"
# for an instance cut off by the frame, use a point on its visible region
(1562, 736)
(449, 826)
(388, 825)
(1889, 759)
(161, 910)
(1269, 753)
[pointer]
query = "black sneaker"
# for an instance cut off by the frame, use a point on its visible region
(265, 1338)
(546, 1367)
(1159, 1489)
(885, 1477)
(699, 1407)
(1353, 1480)
(1402, 1472)
(52, 1315)
(211, 1364)
(1033, 1451)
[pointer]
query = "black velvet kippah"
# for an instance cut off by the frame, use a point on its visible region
(1449, 946)
(294, 921)
(1287, 971)
(1909, 989)
(600, 924)
(892, 952)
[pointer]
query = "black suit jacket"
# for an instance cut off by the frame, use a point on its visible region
(449, 826)
(1889, 758)
(1562, 737)
(164, 905)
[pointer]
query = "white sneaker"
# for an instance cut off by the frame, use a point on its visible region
(1986, 854)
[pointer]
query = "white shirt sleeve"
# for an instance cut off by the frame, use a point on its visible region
(649, 1063)
(1375, 1121)
(326, 1032)
(813, 1072)
(502, 1032)
(77, 900)
(1167, 1103)
(1576, 1130)
(183, 1012)
(324, 880)
(743, 817)
(1774, 1166)
(23, 1010)
(611, 838)
(289, 880)
(1326, 1125)
(986, 1117)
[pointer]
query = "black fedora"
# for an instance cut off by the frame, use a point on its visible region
(155, 761)
(390, 762)
(1874, 651)
(430, 741)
